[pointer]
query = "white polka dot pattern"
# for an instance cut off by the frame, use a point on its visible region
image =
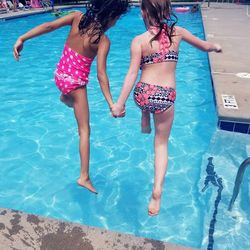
(72, 70)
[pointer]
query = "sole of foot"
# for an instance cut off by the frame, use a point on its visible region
(88, 185)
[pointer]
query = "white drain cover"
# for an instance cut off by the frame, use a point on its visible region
(243, 75)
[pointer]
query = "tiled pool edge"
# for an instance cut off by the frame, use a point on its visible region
(19, 230)
(233, 126)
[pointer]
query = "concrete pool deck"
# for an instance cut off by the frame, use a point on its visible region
(21, 231)
(229, 25)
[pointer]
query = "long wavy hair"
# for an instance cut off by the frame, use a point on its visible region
(99, 15)
(158, 13)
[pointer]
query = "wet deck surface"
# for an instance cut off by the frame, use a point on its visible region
(26, 231)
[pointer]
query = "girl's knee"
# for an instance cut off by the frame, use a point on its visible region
(162, 137)
(84, 131)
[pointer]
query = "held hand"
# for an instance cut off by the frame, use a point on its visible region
(17, 48)
(118, 111)
(217, 48)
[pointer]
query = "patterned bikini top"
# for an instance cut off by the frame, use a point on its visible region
(158, 57)
(164, 55)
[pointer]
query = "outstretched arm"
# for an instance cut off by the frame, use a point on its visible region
(102, 54)
(42, 29)
(198, 43)
(135, 60)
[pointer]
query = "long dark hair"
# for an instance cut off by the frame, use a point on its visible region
(158, 13)
(98, 16)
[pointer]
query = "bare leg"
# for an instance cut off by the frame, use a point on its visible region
(14, 5)
(145, 123)
(67, 100)
(163, 123)
(81, 110)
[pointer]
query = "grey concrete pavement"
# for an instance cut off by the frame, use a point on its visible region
(229, 25)
(23, 231)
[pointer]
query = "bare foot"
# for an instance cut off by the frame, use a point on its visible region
(145, 123)
(87, 184)
(154, 204)
(67, 100)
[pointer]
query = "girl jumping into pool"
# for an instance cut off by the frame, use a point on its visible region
(155, 52)
(85, 41)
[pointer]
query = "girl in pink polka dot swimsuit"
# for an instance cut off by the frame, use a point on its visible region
(72, 71)
(85, 41)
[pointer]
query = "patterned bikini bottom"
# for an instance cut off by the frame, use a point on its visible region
(153, 98)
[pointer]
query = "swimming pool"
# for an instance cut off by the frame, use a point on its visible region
(39, 149)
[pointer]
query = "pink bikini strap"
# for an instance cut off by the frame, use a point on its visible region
(164, 42)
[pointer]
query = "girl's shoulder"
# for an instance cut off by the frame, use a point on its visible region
(179, 31)
(104, 38)
(140, 38)
(104, 41)
(77, 13)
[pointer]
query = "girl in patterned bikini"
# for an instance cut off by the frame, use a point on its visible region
(156, 53)
(85, 41)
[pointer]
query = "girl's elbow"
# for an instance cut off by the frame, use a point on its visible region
(133, 74)
(102, 76)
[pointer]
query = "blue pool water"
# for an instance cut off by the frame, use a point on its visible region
(39, 145)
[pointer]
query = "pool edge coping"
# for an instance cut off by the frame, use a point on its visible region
(227, 119)
(21, 230)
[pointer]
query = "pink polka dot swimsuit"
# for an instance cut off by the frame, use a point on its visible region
(72, 70)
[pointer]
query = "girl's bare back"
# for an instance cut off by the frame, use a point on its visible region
(81, 43)
(159, 73)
